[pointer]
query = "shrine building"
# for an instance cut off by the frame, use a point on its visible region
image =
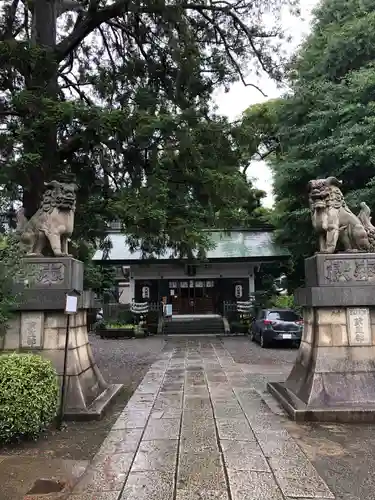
(227, 274)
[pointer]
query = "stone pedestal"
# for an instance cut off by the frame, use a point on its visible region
(333, 378)
(39, 326)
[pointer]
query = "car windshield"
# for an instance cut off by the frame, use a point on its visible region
(283, 316)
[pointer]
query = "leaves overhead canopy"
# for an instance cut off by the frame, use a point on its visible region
(119, 94)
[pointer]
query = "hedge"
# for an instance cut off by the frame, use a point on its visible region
(28, 396)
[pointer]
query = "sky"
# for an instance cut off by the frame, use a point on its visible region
(239, 97)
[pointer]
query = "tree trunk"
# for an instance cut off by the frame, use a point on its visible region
(42, 83)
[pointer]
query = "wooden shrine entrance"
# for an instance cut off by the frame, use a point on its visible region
(192, 296)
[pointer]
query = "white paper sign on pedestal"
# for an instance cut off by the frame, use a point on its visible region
(71, 304)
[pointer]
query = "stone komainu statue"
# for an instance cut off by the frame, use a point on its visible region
(334, 221)
(53, 223)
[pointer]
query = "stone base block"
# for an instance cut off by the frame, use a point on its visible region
(62, 273)
(98, 407)
(333, 378)
(300, 412)
(338, 280)
(44, 333)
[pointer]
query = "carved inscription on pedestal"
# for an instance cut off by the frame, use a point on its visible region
(353, 270)
(359, 328)
(32, 329)
(48, 274)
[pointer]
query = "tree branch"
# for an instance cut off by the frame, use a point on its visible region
(264, 155)
(81, 94)
(89, 23)
(93, 19)
(229, 54)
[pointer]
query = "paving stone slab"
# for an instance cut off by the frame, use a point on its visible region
(196, 403)
(238, 382)
(289, 457)
(250, 485)
(190, 384)
(201, 495)
(131, 420)
(112, 464)
(139, 397)
(97, 495)
(100, 481)
(244, 455)
(121, 442)
(139, 406)
(302, 482)
(198, 435)
(199, 444)
(220, 385)
(164, 428)
(148, 387)
(200, 471)
(223, 395)
(278, 449)
(148, 486)
(264, 423)
(160, 455)
(228, 410)
(234, 429)
(124, 434)
(166, 413)
(168, 400)
(201, 391)
(172, 386)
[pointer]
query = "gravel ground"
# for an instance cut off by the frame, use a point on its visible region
(120, 361)
(245, 351)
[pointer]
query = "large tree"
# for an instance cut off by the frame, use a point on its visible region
(326, 124)
(118, 93)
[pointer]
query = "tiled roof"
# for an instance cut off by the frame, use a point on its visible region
(235, 245)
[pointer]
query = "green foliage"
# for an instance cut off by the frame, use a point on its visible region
(10, 267)
(283, 301)
(96, 277)
(120, 95)
(118, 324)
(325, 125)
(126, 317)
(28, 396)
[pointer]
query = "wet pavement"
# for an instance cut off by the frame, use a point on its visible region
(201, 427)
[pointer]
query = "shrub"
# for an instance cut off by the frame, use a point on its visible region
(28, 396)
(285, 302)
(126, 317)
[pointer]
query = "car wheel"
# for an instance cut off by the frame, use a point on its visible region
(263, 343)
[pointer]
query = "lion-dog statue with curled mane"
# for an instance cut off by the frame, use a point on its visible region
(52, 224)
(334, 222)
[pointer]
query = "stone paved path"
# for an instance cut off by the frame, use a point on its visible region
(197, 429)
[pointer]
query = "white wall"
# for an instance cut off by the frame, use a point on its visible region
(125, 293)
